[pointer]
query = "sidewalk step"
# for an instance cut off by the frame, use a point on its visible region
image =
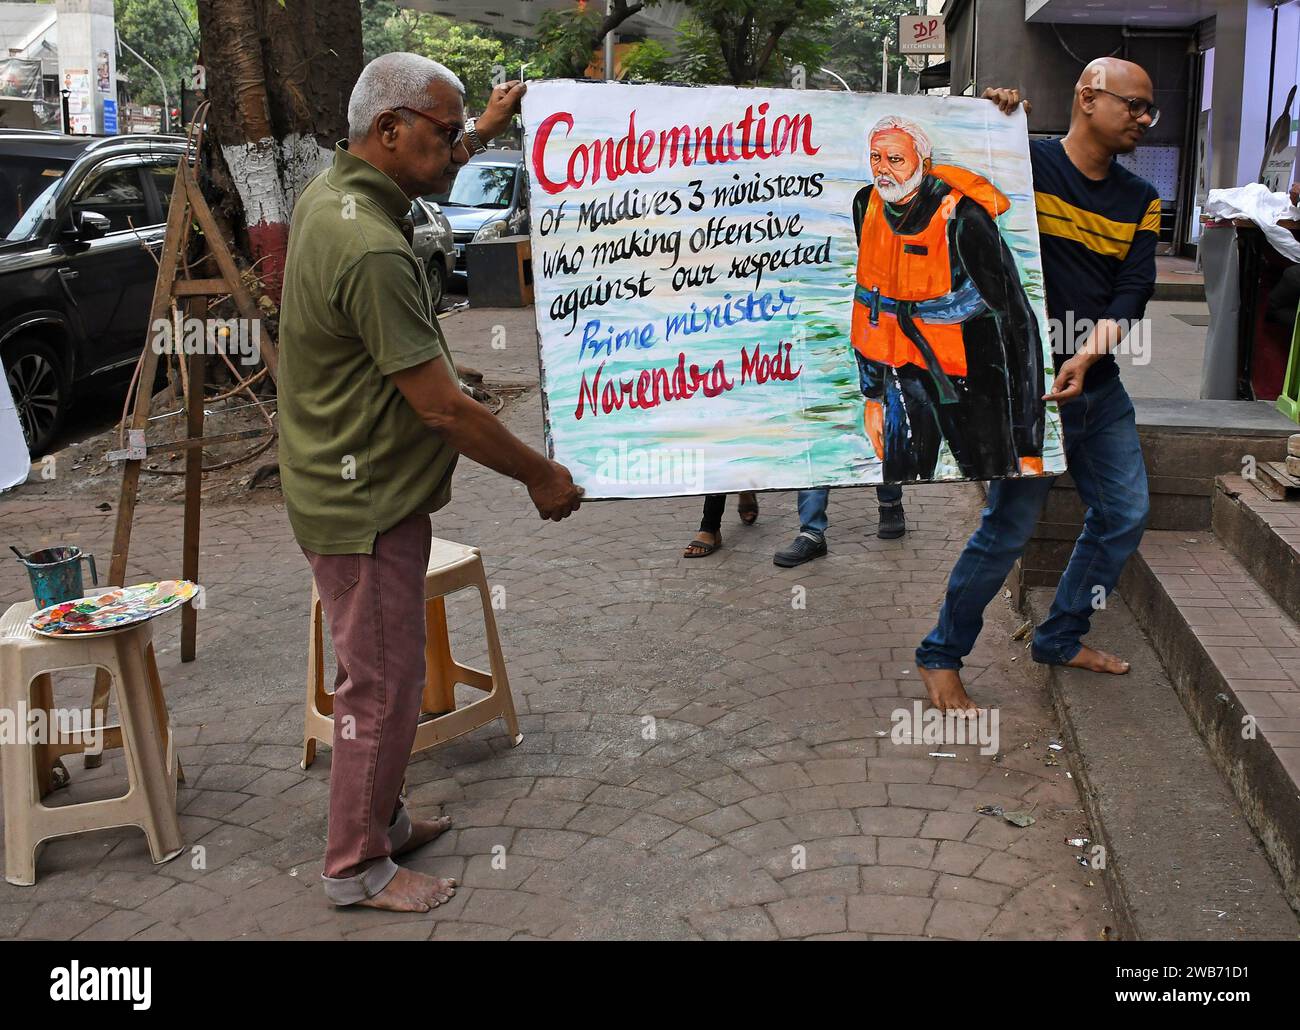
(1233, 655)
(1186, 444)
(1172, 290)
(1264, 535)
(1182, 863)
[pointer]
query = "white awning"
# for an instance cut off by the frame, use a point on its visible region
(520, 17)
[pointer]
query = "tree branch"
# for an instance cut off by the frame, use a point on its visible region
(731, 43)
(622, 12)
(778, 30)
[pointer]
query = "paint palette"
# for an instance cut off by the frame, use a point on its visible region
(113, 609)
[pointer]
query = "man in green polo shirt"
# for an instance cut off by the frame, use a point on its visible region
(372, 419)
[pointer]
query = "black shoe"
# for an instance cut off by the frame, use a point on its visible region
(892, 524)
(806, 547)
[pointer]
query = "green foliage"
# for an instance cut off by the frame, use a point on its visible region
(732, 41)
(647, 61)
(470, 52)
(165, 33)
(381, 28)
(760, 40)
(699, 58)
(742, 42)
(853, 38)
(565, 42)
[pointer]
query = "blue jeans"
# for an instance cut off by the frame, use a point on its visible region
(1105, 458)
(812, 506)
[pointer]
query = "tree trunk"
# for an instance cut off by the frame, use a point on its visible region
(279, 78)
(774, 37)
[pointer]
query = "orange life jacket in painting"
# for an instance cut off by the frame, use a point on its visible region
(916, 268)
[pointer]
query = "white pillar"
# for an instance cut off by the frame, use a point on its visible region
(1243, 38)
(87, 59)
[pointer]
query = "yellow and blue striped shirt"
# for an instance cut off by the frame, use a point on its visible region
(1098, 243)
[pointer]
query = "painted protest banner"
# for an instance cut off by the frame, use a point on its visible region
(746, 289)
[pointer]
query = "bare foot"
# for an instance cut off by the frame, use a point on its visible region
(410, 891)
(704, 543)
(423, 831)
(1098, 661)
(946, 690)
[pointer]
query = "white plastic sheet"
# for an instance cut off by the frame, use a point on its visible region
(14, 461)
(1262, 207)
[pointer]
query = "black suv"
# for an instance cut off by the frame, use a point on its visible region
(81, 223)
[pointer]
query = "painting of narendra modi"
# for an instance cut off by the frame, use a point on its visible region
(750, 289)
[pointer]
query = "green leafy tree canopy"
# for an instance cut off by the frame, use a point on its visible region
(165, 32)
(471, 52)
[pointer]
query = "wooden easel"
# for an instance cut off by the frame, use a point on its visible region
(174, 287)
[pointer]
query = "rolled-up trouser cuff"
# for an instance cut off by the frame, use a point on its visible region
(399, 831)
(348, 890)
(1059, 655)
(928, 659)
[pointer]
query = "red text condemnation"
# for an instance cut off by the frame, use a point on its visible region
(751, 137)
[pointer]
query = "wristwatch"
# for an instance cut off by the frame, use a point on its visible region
(472, 142)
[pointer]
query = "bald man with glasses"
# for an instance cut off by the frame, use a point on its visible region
(1098, 224)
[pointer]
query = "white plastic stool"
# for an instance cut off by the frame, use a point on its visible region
(451, 567)
(26, 661)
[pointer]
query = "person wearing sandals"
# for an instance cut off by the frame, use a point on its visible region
(709, 538)
(811, 541)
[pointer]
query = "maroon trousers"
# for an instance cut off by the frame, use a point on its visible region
(374, 604)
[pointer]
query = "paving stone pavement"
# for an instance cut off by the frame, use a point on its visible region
(706, 751)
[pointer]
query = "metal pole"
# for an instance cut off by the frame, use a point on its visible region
(167, 104)
(884, 65)
(1272, 64)
(67, 118)
(609, 45)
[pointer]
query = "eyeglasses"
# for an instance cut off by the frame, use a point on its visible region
(1137, 106)
(455, 133)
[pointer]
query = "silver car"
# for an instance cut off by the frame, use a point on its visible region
(433, 244)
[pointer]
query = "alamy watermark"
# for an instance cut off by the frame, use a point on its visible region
(235, 337)
(921, 725)
(75, 982)
(42, 725)
(650, 466)
(1068, 336)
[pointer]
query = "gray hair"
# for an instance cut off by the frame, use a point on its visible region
(391, 81)
(891, 122)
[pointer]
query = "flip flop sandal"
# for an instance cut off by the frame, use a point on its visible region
(749, 508)
(705, 549)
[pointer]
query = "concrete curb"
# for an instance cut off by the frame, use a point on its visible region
(1263, 788)
(1181, 860)
(1271, 560)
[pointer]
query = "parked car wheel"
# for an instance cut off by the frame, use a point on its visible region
(40, 389)
(437, 279)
